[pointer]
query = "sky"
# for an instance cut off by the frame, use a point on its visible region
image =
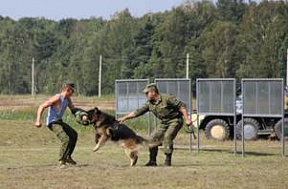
(81, 9)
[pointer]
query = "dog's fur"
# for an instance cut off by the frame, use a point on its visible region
(108, 128)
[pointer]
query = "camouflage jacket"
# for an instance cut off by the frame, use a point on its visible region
(166, 108)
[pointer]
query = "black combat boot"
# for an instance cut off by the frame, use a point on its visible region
(71, 161)
(153, 154)
(168, 159)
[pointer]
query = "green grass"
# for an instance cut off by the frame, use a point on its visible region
(28, 159)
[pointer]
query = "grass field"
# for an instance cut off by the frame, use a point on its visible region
(28, 157)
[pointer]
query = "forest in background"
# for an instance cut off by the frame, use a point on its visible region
(228, 39)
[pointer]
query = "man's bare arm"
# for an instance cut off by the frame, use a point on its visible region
(185, 115)
(128, 116)
(42, 107)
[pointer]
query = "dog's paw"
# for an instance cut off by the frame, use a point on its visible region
(95, 149)
(133, 161)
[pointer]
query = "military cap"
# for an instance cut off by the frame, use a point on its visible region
(150, 87)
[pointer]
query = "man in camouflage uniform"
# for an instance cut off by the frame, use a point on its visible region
(170, 111)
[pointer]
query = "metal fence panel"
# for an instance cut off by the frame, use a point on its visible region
(216, 96)
(129, 95)
(181, 88)
(262, 97)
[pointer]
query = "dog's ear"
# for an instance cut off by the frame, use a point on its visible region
(96, 110)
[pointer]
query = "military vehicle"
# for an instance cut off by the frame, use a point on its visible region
(222, 127)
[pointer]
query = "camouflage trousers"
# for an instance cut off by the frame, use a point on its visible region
(166, 133)
(68, 137)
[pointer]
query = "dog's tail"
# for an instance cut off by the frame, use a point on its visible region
(146, 142)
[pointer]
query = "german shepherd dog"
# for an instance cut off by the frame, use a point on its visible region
(108, 128)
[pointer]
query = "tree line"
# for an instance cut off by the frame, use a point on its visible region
(228, 39)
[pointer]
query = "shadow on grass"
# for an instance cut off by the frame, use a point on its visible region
(240, 152)
(230, 151)
(47, 166)
(258, 154)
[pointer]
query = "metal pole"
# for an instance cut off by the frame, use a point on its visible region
(235, 117)
(197, 108)
(100, 76)
(287, 68)
(187, 66)
(33, 78)
(190, 115)
(283, 122)
(116, 99)
(283, 137)
(198, 144)
(243, 111)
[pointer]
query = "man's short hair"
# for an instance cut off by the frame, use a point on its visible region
(70, 86)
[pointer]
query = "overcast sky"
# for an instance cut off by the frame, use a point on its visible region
(59, 9)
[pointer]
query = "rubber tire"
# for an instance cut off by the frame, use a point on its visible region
(255, 127)
(278, 128)
(217, 123)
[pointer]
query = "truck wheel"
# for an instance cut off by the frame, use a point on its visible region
(251, 127)
(217, 129)
(278, 128)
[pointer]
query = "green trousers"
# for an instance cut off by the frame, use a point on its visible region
(68, 137)
(166, 133)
